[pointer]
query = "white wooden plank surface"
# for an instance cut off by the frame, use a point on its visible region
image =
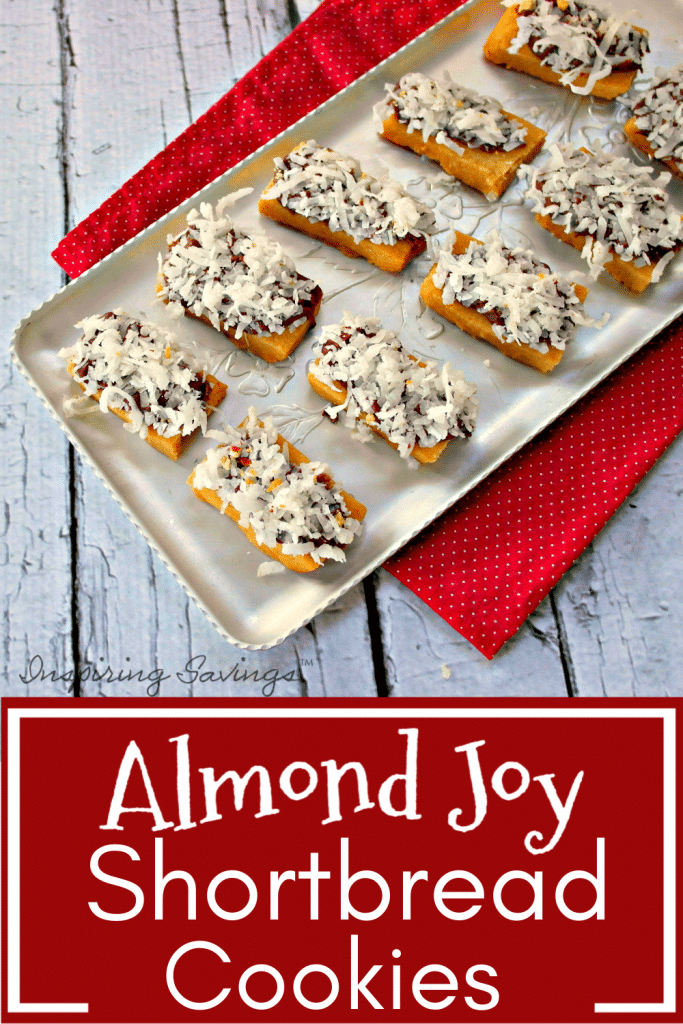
(305, 7)
(36, 570)
(621, 602)
(128, 98)
(129, 78)
(424, 655)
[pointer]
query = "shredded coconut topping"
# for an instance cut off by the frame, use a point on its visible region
(238, 282)
(322, 185)
(411, 404)
(453, 115)
(298, 507)
(139, 368)
(621, 208)
(524, 302)
(575, 38)
(659, 114)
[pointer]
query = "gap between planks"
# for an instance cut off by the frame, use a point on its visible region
(67, 66)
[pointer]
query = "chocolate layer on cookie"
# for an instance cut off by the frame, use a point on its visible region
(372, 382)
(570, 43)
(468, 135)
(615, 212)
(507, 297)
(244, 286)
(327, 196)
(138, 371)
(288, 507)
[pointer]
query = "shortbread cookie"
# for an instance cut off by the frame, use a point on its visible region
(327, 196)
(137, 371)
(616, 213)
(507, 298)
(371, 381)
(246, 287)
(288, 507)
(656, 127)
(468, 135)
(569, 43)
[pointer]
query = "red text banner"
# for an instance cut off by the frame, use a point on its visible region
(181, 860)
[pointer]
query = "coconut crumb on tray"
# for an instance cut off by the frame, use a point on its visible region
(75, 408)
(270, 569)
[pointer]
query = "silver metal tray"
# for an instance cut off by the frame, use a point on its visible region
(209, 557)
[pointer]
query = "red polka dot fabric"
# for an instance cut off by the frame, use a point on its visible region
(486, 564)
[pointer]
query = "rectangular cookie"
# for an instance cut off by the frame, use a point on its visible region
(326, 196)
(507, 298)
(371, 381)
(287, 506)
(247, 288)
(137, 371)
(617, 214)
(468, 135)
(656, 127)
(563, 42)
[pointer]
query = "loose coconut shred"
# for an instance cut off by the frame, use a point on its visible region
(139, 368)
(523, 300)
(409, 403)
(659, 114)
(238, 282)
(621, 208)
(574, 38)
(298, 507)
(456, 117)
(322, 185)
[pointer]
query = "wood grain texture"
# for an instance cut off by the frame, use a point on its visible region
(90, 91)
(421, 649)
(621, 605)
(305, 7)
(129, 100)
(128, 94)
(34, 473)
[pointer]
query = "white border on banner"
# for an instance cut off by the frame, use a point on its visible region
(15, 716)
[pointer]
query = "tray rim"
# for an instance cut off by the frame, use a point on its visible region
(438, 510)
